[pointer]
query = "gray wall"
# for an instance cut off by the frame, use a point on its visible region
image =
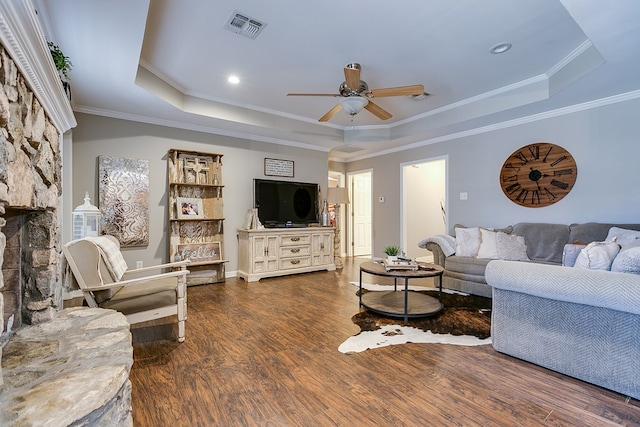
(605, 142)
(243, 160)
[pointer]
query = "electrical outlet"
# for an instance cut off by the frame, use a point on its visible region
(464, 196)
(138, 264)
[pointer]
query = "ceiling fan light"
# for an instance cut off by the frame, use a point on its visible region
(353, 104)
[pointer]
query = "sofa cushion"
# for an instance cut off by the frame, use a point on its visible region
(594, 231)
(597, 255)
(466, 265)
(467, 241)
(545, 242)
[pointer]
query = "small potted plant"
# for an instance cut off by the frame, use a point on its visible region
(392, 253)
(62, 62)
(63, 65)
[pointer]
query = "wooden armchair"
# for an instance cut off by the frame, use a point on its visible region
(102, 275)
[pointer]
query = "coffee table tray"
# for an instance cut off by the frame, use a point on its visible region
(400, 265)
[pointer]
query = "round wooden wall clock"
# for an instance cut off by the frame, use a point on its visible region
(538, 175)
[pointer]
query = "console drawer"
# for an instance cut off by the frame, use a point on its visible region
(295, 239)
(291, 263)
(294, 251)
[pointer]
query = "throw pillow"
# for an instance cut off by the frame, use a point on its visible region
(511, 247)
(467, 241)
(622, 236)
(570, 253)
(597, 255)
(488, 244)
(627, 261)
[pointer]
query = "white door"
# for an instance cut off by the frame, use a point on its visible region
(360, 210)
(423, 204)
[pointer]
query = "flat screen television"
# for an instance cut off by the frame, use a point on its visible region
(285, 203)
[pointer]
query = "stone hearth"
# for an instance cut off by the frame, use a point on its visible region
(70, 370)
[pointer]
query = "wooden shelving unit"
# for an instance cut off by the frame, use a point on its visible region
(196, 220)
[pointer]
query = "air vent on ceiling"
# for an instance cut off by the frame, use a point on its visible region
(244, 25)
(348, 148)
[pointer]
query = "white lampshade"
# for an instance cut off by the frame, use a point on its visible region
(353, 104)
(337, 195)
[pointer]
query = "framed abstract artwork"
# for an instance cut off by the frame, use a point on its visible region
(124, 199)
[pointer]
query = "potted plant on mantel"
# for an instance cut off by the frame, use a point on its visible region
(392, 253)
(63, 65)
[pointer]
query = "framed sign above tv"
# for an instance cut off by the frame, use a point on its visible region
(277, 167)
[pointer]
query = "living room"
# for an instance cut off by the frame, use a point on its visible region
(600, 133)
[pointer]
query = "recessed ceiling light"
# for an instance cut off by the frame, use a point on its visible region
(233, 80)
(500, 48)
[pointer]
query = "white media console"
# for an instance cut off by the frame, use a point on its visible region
(274, 252)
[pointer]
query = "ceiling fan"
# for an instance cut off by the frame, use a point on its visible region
(356, 95)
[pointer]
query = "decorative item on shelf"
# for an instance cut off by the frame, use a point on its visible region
(196, 168)
(392, 253)
(189, 208)
(337, 196)
(86, 220)
(324, 215)
(199, 252)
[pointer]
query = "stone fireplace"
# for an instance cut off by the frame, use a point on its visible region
(57, 367)
(30, 190)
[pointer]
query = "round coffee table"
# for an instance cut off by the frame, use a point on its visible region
(401, 303)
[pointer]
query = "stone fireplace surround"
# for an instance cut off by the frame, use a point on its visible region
(58, 367)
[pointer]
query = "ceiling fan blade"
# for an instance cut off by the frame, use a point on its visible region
(378, 111)
(313, 94)
(396, 91)
(352, 76)
(330, 113)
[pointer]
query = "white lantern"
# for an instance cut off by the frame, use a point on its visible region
(86, 220)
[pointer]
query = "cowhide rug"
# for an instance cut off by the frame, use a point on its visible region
(464, 320)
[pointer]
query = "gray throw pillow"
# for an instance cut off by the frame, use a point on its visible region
(628, 260)
(511, 247)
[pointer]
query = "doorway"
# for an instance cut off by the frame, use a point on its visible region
(359, 223)
(423, 204)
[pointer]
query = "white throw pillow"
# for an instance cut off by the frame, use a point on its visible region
(597, 255)
(627, 261)
(511, 247)
(467, 241)
(488, 244)
(622, 236)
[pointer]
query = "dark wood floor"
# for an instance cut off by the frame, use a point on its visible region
(266, 354)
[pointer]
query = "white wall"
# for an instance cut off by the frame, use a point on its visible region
(604, 142)
(242, 162)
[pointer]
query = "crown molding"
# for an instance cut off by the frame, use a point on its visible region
(23, 39)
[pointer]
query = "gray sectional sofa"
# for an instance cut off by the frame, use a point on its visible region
(577, 321)
(545, 245)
